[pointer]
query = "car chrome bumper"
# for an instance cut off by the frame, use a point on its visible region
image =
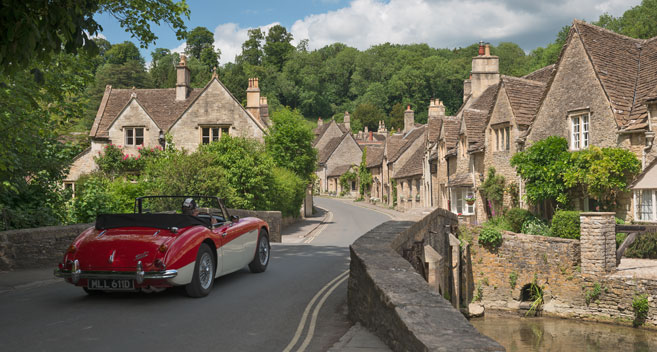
(89, 274)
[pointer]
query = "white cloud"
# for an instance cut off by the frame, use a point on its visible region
(449, 23)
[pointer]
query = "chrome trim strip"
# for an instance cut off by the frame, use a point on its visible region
(148, 275)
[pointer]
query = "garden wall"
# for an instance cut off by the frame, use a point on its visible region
(44, 246)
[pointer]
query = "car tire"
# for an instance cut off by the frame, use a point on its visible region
(204, 270)
(261, 256)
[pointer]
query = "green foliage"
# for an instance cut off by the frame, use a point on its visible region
(198, 39)
(493, 189)
(516, 217)
(252, 48)
(345, 181)
(637, 22)
(393, 185)
(537, 227)
(289, 191)
(566, 224)
(644, 247)
(277, 46)
(490, 236)
(479, 292)
(290, 143)
(536, 296)
(641, 306)
(542, 167)
(499, 222)
(36, 31)
(121, 53)
(514, 192)
(113, 162)
(513, 279)
(369, 115)
(364, 175)
(593, 293)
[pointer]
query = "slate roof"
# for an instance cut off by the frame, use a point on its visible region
(524, 96)
(408, 140)
(475, 124)
(462, 179)
(330, 147)
(339, 170)
(433, 126)
(486, 100)
(542, 75)
(627, 69)
(319, 131)
(393, 143)
(452, 127)
(374, 156)
(413, 165)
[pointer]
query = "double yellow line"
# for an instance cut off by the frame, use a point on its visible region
(324, 293)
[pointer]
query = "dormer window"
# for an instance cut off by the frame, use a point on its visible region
(463, 146)
(134, 135)
(501, 138)
(579, 131)
(213, 133)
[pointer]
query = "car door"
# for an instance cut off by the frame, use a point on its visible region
(233, 247)
(221, 233)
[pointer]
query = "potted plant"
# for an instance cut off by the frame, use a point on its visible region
(470, 199)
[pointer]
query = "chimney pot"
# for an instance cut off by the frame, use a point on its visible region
(182, 79)
(482, 51)
(408, 108)
(371, 136)
(487, 50)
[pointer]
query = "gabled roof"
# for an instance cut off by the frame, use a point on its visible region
(542, 75)
(475, 124)
(434, 124)
(486, 100)
(451, 127)
(319, 130)
(413, 165)
(408, 140)
(524, 96)
(626, 69)
(637, 183)
(339, 170)
(462, 179)
(374, 156)
(330, 147)
(393, 144)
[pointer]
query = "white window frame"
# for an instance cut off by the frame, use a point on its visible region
(458, 203)
(215, 132)
(580, 130)
(638, 203)
(130, 135)
(502, 138)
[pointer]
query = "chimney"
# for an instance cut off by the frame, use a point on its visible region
(347, 120)
(485, 71)
(371, 136)
(467, 88)
(365, 130)
(253, 98)
(182, 79)
(382, 127)
(409, 119)
(320, 122)
(436, 108)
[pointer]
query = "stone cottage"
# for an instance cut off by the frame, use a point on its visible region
(135, 118)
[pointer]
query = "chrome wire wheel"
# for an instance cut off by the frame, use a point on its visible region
(263, 250)
(205, 271)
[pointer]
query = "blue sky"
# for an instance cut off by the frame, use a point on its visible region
(363, 23)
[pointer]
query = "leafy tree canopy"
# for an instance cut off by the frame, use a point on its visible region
(197, 40)
(290, 143)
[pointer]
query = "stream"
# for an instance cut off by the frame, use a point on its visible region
(517, 333)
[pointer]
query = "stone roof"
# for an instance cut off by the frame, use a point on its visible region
(462, 179)
(408, 140)
(160, 105)
(524, 96)
(475, 124)
(413, 165)
(542, 75)
(339, 170)
(486, 100)
(330, 147)
(651, 96)
(433, 125)
(394, 143)
(452, 127)
(319, 131)
(374, 156)
(626, 68)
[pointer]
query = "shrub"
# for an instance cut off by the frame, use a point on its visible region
(537, 227)
(640, 306)
(645, 247)
(499, 222)
(516, 217)
(289, 190)
(565, 224)
(490, 236)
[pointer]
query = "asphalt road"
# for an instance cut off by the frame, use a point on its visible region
(244, 312)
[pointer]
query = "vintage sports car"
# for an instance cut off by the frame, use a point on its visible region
(167, 241)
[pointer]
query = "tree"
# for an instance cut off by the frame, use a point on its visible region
(37, 30)
(290, 143)
(252, 47)
(364, 175)
(637, 22)
(278, 46)
(121, 53)
(197, 40)
(369, 115)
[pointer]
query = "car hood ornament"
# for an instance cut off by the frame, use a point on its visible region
(111, 257)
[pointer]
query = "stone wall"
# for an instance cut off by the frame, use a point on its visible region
(44, 246)
(598, 242)
(395, 302)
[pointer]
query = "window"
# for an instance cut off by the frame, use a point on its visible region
(501, 138)
(458, 202)
(212, 133)
(462, 146)
(134, 135)
(645, 200)
(353, 186)
(579, 137)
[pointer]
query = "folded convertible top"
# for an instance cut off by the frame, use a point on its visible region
(158, 221)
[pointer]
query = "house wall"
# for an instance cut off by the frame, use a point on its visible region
(347, 153)
(215, 106)
(332, 131)
(134, 116)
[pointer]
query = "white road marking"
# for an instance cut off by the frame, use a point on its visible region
(306, 312)
(320, 228)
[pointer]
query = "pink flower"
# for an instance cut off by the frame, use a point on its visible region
(126, 156)
(137, 157)
(139, 147)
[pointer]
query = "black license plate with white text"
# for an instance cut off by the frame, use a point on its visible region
(111, 284)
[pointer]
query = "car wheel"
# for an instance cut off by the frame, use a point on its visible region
(203, 277)
(261, 257)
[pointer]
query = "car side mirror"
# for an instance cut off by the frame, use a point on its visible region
(234, 218)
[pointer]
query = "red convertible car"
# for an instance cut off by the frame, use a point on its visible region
(167, 241)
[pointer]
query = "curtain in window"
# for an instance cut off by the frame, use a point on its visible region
(645, 205)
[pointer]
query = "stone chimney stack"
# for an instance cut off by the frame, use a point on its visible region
(182, 79)
(320, 122)
(436, 108)
(264, 108)
(253, 98)
(347, 121)
(485, 71)
(365, 130)
(467, 88)
(409, 119)
(382, 127)
(371, 138)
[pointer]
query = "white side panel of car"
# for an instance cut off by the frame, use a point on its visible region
(185, 275)
(239, 252)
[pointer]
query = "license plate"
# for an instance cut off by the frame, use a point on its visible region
(110, 284)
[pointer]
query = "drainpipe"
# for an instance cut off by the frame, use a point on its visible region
(650, 137)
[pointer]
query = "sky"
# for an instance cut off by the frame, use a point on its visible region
(363, 23)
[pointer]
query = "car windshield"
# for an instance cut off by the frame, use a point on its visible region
(206, 205)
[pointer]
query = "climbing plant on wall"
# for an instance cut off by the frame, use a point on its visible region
(364, 175)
